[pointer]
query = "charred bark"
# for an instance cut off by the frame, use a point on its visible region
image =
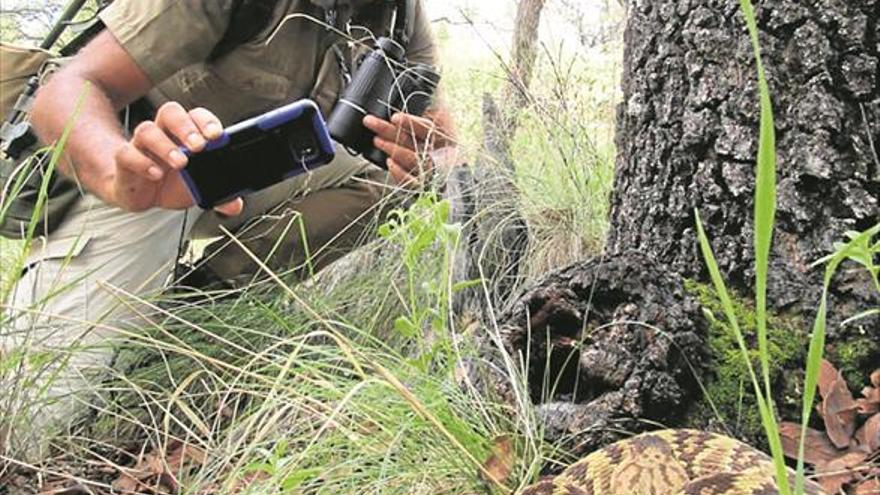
(608, 345)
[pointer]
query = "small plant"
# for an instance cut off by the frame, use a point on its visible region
(862, 249)
(423, 231)
(765, 213)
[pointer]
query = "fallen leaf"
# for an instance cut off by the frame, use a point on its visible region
(500, 463)
(156, 473)
(868, 487)
(818, 450)
(183, 454)
(870, 403)
(868, 435)
(827, 376)
(867, 407)
(841, 471)
(838, 407)
(141, 476)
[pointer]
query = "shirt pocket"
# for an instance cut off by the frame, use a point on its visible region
(252, 79)
(232, 93)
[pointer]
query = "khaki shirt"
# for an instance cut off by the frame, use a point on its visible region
(171, 41)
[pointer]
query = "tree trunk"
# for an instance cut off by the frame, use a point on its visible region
(501, 124)
(608, 344)
(688, 136)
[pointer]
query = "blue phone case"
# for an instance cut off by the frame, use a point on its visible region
(302, 109)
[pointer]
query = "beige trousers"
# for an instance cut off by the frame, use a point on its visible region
(91, 282)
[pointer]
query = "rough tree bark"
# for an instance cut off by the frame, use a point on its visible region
(687, 135)
(607, 344)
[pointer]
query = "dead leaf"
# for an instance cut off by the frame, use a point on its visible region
(866, 407)
(868, 435)
(500, 463)
(157, 474)
(827, 376)
(841, 471)
(870, 403)
(818, 450)
(838, 407)
(868, 487)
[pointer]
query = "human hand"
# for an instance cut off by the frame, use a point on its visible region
(148, 166)
(408, 140)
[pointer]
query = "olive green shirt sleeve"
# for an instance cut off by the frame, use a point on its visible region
(164, 36)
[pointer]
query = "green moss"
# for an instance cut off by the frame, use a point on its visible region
(853, 357)
(727, 386)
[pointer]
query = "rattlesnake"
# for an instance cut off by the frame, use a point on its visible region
(669, 462)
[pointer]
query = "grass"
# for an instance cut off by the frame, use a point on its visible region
(563, 151)
(764, 218)
(317, 400)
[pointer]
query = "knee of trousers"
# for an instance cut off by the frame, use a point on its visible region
(82, 291)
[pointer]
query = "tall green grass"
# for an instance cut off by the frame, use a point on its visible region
(563, 150)
(764, 219)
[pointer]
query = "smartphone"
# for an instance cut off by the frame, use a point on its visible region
(259, 152)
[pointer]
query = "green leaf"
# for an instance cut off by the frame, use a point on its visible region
(298, 477)
(467, 284)
(405, 327)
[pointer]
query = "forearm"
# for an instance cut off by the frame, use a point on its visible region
(95, 135)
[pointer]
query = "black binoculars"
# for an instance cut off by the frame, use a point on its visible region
(383, 85)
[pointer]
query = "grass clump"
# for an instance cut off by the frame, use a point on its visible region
(283, 391)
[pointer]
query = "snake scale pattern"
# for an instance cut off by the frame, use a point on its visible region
(669, 462)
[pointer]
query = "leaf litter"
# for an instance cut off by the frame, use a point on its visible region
(846, 455)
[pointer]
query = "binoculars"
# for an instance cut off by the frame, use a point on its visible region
(385, 83)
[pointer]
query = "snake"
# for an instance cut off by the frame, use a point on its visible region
(670, 462)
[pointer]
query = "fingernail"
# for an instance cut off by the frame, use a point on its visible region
(213, 129)
(177, 158)
(155, 173)
(396, 118)
(195, 140)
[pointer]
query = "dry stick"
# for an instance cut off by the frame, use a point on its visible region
(383, 372)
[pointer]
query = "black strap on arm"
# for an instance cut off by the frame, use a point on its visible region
(404, 19)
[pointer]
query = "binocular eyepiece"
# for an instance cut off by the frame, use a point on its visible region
(383, 85)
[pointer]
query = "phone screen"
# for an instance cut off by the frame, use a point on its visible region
(253, 159)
